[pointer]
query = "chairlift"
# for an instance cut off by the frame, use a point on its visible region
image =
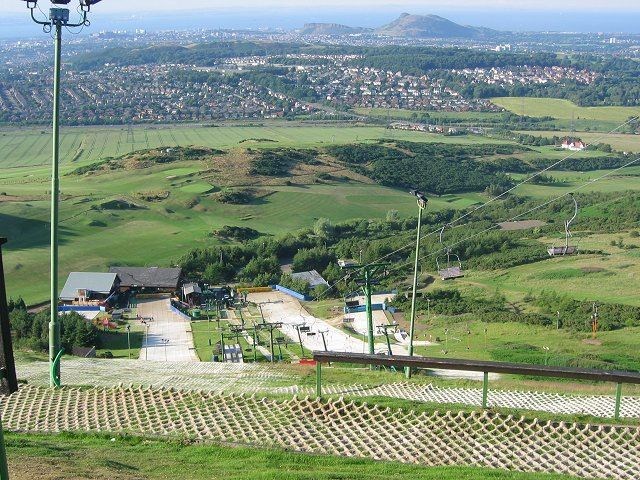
(311, 334)
(566, 249)
(451, 270)
(305, 329)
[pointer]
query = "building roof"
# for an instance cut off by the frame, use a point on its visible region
(94, 282)
(151, 277)
(190, 288)
(313, 278)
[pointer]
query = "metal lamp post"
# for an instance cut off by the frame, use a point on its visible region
(129, 340)
(422, 204)
(58, 18)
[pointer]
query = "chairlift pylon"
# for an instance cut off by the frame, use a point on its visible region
(451, 271)
(566, 249)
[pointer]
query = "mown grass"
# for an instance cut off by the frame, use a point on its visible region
(564, 109)
(32, 146)
(66, 456)
(623, 142)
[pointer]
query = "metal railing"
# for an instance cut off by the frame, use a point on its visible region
(485, 367)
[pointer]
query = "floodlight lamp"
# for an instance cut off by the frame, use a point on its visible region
(421, 196)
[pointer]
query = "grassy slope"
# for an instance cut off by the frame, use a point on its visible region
(66, 456)
(564, 109)
(154, 235)
(157, 236)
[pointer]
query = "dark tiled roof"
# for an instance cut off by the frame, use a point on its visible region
(150, 277)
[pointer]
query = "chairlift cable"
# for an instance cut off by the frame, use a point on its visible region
(437, 231)
(533, 209)
(526, 180)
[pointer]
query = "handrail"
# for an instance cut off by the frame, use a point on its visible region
(616, 376)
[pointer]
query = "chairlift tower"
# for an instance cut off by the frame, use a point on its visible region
(366, 281)
(384, 329)
(422, 204)
(58, 17)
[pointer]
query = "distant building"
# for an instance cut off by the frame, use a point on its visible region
(313, 278)
(149, 279)
(573, 144)
(89, 288)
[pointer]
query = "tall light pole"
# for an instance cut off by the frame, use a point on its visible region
(58, 18)
(422, 204)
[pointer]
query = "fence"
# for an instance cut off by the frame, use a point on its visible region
(81, 308)
(486, 367)
(292, 293)
(178, 312)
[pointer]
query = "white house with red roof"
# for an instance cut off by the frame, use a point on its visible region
(573, 144)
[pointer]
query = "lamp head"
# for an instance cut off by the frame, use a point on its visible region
(422, 198)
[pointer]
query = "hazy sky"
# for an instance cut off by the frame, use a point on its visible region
(415, 6)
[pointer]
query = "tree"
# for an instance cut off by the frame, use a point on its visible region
(392, 215)
(218, 272)
(323, 228)
(261, 271)
(312, 259)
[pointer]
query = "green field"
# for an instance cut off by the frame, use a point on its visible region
(158, 232)
(564, 109)
(404, 114)
(619, 141)
(82, 145)
(66, 456)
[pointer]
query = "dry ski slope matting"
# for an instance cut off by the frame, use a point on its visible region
(336, 427)
(250, 378)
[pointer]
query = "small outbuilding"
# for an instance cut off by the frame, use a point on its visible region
(89, 288)
(313, 278)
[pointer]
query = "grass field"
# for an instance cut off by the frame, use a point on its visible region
(66, 456)
(564, 109)
(157, 233)
(82, 145)
(619, 141)
(206, 335)
(404, 114)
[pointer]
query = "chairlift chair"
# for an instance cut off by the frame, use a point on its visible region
(451, 270)
(566, 249)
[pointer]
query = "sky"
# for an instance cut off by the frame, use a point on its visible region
(119, 6)
(512, 15)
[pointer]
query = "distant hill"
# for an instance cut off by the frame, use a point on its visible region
(330, 29)
(430, 26)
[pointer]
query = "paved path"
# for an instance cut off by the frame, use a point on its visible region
(166, 325)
